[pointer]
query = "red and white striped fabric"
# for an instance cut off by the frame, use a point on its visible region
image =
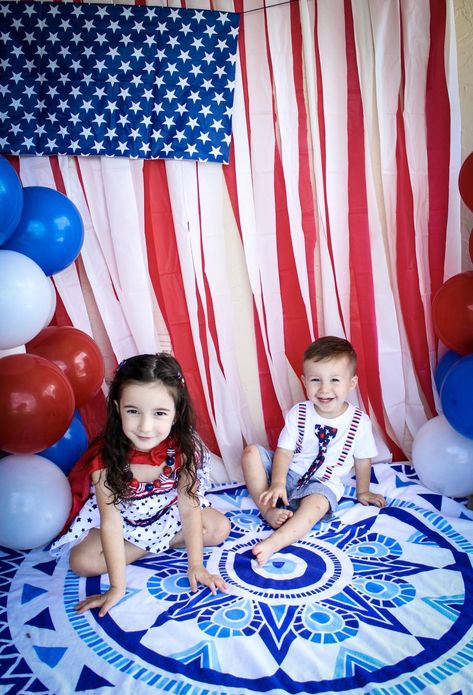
(338, 213)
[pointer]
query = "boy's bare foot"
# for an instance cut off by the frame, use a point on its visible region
(276, 516)
(264, 549)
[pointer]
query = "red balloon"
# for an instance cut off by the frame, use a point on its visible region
(452, 313)
(36, 404)
(471, 245)
(465, 181)
(76, 354)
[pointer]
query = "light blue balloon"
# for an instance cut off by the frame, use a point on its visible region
(67, 450)
(35, 501)
(11, 200)
(50, 230)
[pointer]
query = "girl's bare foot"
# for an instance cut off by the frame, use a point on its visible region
(275, 516)
(264, 549)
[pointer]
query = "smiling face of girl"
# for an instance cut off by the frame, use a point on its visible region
(147, 413)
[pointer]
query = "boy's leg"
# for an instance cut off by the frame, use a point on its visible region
(256, 480)
(87, 558)
(311, 509)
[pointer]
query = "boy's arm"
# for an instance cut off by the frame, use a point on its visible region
(277, 489)
(363, 494)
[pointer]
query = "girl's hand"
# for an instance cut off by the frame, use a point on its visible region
(197, 574)
(103, 601)
(366, 498)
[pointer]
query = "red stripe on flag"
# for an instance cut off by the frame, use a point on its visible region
(306, 194)
(362, 304)
(407, 270)
(296, 330)
(272, 416)
(203, 341)
(323, 157)
(437, 110)
(273, 420)
(165, 273)
(211, 324)
(271, 411)
(230, 170)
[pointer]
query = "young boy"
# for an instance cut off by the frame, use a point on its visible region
(321, 439)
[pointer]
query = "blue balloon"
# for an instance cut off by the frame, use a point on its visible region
(67, 450)
(50, 230)
(457, 396)
(11, 200)
(448, 360)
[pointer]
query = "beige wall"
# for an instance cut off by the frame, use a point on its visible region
(464, 30)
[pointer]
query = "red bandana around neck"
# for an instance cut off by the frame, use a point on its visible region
(81, 473)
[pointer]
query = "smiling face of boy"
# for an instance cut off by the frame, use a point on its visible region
(328, 383)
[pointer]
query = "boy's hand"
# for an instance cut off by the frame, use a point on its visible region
(275, 492)
(366, 498)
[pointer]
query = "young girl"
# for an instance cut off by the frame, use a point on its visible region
(140, 488)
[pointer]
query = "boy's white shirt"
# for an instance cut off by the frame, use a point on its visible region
(363, 447)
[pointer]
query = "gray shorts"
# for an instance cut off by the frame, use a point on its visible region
(294, 493)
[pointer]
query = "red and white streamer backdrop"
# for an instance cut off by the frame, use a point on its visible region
(339, 213)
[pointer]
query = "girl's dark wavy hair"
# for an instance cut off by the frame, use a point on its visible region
(161, 367)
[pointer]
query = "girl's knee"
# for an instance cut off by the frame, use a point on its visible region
(217, 529)
(80, 564)
(221, 529)
(86, 559)
(224, 528)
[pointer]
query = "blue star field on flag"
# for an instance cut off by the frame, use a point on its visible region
(116, 80)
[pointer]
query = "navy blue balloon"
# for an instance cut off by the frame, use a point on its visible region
(67, 450)
(50, 230)
(445, 363)
(456, 396)
(11, 200)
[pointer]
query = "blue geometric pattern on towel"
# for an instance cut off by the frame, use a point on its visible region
(371, 601)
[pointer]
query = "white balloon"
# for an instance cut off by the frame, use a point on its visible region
(443, 458)
(25, 299)
(35, 501)
(53, 302)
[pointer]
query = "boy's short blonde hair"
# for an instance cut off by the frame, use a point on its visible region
(330, 347)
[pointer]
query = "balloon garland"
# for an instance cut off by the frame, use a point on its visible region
(442, 451)
(41, 431)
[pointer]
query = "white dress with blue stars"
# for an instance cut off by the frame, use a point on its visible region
(150, 517)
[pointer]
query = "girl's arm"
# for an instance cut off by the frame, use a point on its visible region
(113, 546)
(191, 519)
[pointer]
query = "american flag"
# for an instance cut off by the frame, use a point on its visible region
(116, 80)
